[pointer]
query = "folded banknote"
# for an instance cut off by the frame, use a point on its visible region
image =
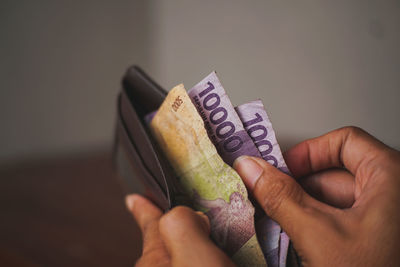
(214, 186)
(202, 133)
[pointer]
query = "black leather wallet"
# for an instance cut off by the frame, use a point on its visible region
(139, 162)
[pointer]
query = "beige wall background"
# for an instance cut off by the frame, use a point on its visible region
(317, 65)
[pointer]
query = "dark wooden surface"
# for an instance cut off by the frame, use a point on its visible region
(65, 212)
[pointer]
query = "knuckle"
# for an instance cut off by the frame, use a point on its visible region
(171, 224)
(393, 157)
(353, 130)
(174, 217)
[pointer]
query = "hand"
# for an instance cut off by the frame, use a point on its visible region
(367, 232)
(177, 238)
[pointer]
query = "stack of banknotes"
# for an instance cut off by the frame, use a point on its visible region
(201, 133)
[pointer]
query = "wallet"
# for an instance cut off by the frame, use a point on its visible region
(139, 162)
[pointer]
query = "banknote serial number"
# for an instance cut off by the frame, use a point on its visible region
(177, 103)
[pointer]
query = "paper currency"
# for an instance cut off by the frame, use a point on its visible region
(250, 125)
(223, 125)
(149, 117)
(244, 130)
(214, 186)
(259, 128)
(268, 233)
(283, 249)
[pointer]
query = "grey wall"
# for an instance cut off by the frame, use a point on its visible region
(317, 65)
(60, 67)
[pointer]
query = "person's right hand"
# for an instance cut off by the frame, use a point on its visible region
(366, 232)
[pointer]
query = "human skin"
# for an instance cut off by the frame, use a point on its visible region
(341, 210)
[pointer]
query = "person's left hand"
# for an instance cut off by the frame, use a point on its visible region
(178, 238)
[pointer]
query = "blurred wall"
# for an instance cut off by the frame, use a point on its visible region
(316, 65)
(60, 69)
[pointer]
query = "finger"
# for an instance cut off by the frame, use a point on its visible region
(186, 237)
(350, 147)
(282, 197)
(334, 187)
(147, 215)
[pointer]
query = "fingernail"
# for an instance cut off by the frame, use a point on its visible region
(248, 169)
(130, 201)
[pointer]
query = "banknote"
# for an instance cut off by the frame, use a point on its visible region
(213, 185)
(284, 249)
(259, 127)
(268, 233)
(244, 130)
(223, 125)
(149, 117)
(216, 110)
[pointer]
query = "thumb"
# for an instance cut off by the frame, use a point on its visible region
(186, 237)
(281, 197)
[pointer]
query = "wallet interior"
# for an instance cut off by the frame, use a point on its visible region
(139, 161)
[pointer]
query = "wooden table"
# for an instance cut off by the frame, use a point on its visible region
(65, 212)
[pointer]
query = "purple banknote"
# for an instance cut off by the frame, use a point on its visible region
(222, 123)
(259, 127)
(268, 235)
(235, 136)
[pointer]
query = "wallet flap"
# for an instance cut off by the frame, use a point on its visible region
(141, 95)
(145, 94)
(133, 171)
(141, 141)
